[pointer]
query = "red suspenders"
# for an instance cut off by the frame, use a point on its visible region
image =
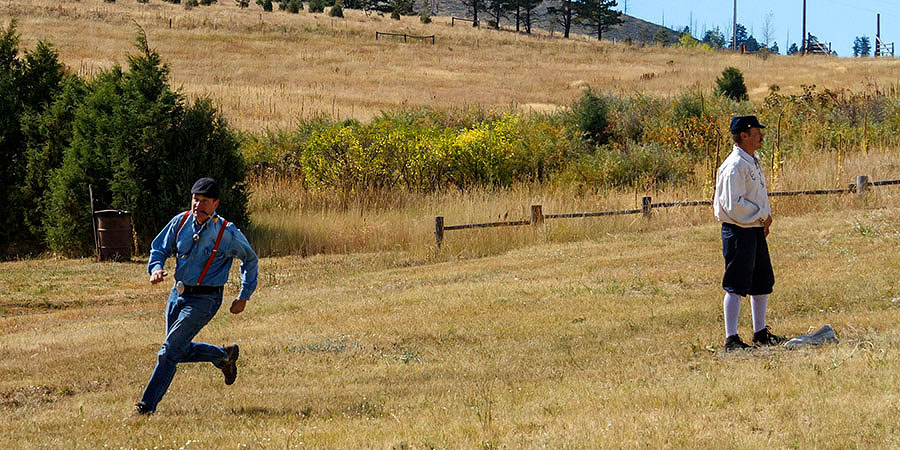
(214, 250)
(215, 247)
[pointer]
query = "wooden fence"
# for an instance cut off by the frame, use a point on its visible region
(646, 209)
(453, 21)
(404, 36)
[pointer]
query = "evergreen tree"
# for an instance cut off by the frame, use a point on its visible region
(497, 9)
(28, 85)
(714, 38)
(528, 14)
(751, 44)
(740, 35)
(861, 46)
(564, 14)
(731, 84)
(134, 140)
(599, 13)
(474, 6)
(793, 50)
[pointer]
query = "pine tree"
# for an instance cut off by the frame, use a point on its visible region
(599, 13)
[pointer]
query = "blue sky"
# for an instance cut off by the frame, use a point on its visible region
(835, 21)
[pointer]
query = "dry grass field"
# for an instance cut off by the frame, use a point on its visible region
(266, 70)
(610, 342)
(585, 333)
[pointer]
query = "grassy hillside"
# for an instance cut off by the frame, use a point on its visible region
(609, 342)
(267, 69)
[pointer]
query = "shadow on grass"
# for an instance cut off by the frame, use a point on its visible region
(264, 411)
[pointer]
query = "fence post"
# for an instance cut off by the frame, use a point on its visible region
(862, 182)
(438, 231)
(537, 216)
(646, 206)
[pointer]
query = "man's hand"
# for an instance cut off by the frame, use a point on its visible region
(158, 276)
(766, 224)
(237, 305)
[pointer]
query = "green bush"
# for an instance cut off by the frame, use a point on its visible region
(337, 10)
(590, 113)
(316, 6)
(424, 18)
(266, 5)
(731, 84)
(643, 166)
(294, 6)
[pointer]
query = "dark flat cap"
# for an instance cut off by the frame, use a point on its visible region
(206, 187)
(744, 123)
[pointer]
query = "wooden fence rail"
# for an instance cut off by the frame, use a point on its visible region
(646, 209)
(404, 36)
(453, 21)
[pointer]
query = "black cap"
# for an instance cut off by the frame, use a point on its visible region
(206, 187)
(744, 123)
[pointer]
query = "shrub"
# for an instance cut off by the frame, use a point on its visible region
(266, 5)
(316, 6)
(591, 117)
(424, 18)
(642, 166)
(337, 10)
(731, 84)
(208, 2)
(686, 106)
(294, 6)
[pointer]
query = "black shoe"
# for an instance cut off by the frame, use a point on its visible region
(230, 367)
(734, 342)
(764, 337)
(141, 409)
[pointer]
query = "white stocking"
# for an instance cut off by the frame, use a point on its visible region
(732, 306)
(758, 306)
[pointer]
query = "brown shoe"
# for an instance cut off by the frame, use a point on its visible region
(230, 367)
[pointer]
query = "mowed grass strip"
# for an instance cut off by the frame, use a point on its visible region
(608, 342)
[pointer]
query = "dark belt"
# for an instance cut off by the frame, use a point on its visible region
(199, 290)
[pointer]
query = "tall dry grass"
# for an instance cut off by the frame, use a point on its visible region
(290, 219)
(266, 70)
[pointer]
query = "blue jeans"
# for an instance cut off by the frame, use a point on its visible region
(185, 317)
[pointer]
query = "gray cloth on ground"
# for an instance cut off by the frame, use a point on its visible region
(821, 336)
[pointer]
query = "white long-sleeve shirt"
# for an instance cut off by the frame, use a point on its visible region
(741, 195)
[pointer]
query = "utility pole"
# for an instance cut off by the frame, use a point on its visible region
(878, 35)
(734, 28)
(803, 45)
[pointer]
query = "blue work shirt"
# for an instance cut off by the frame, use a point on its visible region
(191, 257)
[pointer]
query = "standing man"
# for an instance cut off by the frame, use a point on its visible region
(204, 245)
(742, 205)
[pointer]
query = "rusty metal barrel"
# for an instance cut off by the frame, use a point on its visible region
(115, 240)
